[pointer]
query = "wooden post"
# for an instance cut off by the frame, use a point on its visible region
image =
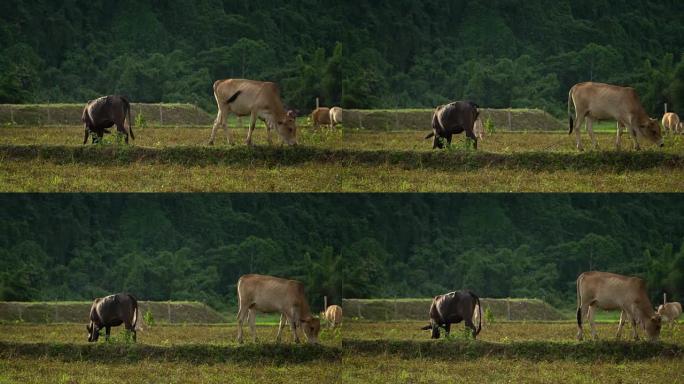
(664, 298)
(12, 115)
(318, 103)
(168, 310)
(508, 307)
(48, 113)
(510, 128)
(161, 116)
(325, 302)
(665, 107)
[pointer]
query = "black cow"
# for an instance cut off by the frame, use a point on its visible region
(451, 119)
(112, 311)
(104, 112)
(451, 308)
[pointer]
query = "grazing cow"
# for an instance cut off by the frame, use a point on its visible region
(335, 116)
(271, 294)
(257, 99)
(670, 312)
(320, 116)
(333, 315)
(671, 122)
(451, 308)
(112, 311)
(451, 119)
(597, 101)
(610, 291)
(104, 112)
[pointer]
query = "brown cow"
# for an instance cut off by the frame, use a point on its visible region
(257, 99)
(610, 291)
(112, 311)
(670, 312)
(671, 122)
(454, 307)
(451, 119)
(335, 116)
(104, 112)
(269, 294)
(598, 101)
(320, 116)
(333, 315)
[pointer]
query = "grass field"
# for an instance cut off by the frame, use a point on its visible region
(51, 159)
(371, 352)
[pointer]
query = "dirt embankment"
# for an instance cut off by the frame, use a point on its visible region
(421, 119)
(417, 309)
(77, 312)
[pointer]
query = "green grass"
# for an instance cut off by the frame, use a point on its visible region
(177, 159)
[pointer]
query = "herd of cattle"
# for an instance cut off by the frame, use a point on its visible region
(261, 100)
(270, 294)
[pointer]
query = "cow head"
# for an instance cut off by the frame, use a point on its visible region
(287, 128)
(652, 326)
(311, 327)
(93, 331)
(652, 131)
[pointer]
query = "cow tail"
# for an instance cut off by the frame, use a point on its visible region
(579, 303)
(570, 118)
(479, 306)
(130, 122)
(232, 98)
(136, 314)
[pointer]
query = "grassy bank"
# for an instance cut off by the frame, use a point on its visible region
(265, 156)
(198, 353)
(615, 351)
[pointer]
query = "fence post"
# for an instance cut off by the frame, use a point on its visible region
(664, 298)
(161, 115)
(508, 306)
(12, 115)
(510, 128)
(168, 309)
(665, 107)
(318, 103)
(325, 303)
(48, 113)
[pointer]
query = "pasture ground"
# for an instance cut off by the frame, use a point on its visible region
(370, 352)
(52, 159)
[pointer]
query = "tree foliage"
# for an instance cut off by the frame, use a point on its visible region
(363, 54)
(184, 247)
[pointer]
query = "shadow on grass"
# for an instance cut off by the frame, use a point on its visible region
(614, 351)
(269, 156)
(128, 352)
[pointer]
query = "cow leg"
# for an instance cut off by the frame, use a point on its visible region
(294, 323)
(577, 127)
(447, 329)
(85, 136)
(632, 133)
(592, 324)
(251, 319)
(242, 312)
(283, 319)
(469, 324)
(619, 127)
(583, 314)
(472, 136)
(219, 121)
(590, 129)
(623, 317)
(268, 134)
(107, 332)
(252, 125)
(122, 129)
